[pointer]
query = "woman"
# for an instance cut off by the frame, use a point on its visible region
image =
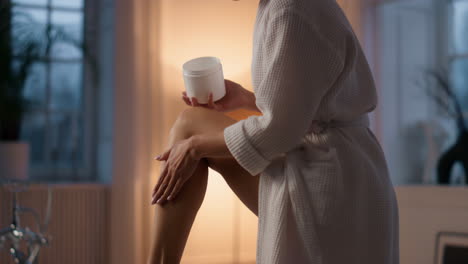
(320, 185)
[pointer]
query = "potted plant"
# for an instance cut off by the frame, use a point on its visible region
(13, 153)
(29, 43)
(445, 97)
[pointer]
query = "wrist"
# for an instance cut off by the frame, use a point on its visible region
(249, 100)
(195, 147)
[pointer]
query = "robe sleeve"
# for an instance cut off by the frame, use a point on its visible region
(300, 65)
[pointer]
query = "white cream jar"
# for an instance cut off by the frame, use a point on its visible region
(203, 76)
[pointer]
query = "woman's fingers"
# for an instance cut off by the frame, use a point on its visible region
(168, 190)
(160, 181)
(211, 104)
(195, 101)
(161, 186)
(163, 156)
(187, 100)
(160, 190)
(178, 185)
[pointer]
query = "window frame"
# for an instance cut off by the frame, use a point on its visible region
(449, 54)
(452, 56)
(86, 171)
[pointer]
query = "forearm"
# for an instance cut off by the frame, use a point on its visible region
(210, 146)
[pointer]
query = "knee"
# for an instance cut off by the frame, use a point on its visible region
(188, 118)
(193, 114)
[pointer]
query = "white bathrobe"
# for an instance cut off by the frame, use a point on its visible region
(325, 194)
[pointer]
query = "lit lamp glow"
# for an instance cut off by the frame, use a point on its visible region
(224, 231)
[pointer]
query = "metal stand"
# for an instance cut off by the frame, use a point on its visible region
(15, 235)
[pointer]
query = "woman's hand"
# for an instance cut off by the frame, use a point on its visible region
(181, 163)
(236, 97)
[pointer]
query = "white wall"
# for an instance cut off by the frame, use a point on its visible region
(425, 211)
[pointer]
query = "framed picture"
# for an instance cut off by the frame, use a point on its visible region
(451, 248)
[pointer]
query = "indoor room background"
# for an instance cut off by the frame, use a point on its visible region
(103, 109)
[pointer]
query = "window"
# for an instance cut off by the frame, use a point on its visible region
(414, 37)
(58, 125)
(458, 49)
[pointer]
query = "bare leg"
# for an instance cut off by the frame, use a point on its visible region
(174, 220)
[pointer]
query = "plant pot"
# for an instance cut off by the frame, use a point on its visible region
(458, 152)
(14, 160)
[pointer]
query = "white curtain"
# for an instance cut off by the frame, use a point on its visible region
(136, 105)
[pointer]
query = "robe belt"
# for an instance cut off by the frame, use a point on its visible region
(319, 127)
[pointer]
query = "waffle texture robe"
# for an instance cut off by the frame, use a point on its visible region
(325, 195)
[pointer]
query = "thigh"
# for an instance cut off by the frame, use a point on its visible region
(244, 185)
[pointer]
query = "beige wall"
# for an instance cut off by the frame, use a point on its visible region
(133, 134)
(189, 29)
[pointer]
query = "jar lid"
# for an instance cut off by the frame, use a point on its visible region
(201, 66)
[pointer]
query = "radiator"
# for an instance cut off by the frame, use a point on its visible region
(78, 228)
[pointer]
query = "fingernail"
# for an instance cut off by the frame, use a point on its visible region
(157, 157)
(169, 198)
(159, 201)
